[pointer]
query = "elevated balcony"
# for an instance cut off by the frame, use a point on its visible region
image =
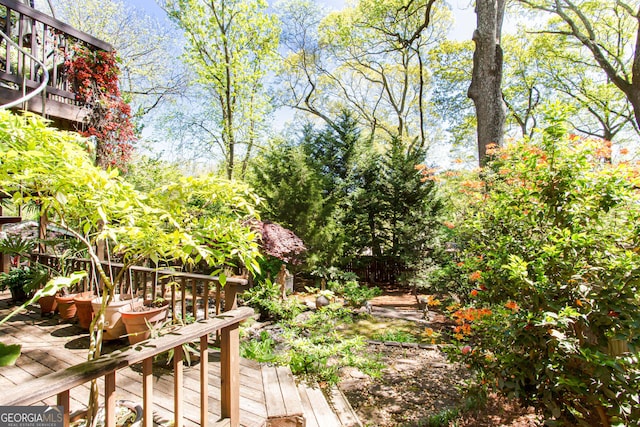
(50, 41)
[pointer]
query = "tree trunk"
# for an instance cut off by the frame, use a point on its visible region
(634, 96)
(486, 81)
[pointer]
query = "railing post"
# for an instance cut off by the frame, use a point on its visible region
(230, 296)
(178, 381)
(63, 400)
(230, 374)
(110, 399)
(147, 392)
(204, 380)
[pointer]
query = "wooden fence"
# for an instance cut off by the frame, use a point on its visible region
(377, 269)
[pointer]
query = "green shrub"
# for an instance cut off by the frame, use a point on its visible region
(546, 262)
(261, 349)
(265, 298)
(354, 294)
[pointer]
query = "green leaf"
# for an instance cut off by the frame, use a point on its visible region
(9, 354)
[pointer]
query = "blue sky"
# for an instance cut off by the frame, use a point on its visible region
(465, 20)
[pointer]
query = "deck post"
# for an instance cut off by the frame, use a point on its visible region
(178, 382)
(63, 400)
(110, 399)
(230, 374)
(204, 380)
(147, 392)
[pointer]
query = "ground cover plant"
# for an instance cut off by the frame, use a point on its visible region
(547, 266)
(314, 344)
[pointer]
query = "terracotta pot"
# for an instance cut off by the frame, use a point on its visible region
(66, 306)
(84, 311)
(139, 323)
(48, 304)
(113, 325)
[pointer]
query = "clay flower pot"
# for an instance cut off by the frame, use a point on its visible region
(84, 311)
(140, 321)
(66, 306)
(48, 305)
(113, 325)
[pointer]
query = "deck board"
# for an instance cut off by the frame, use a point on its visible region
(319, 407)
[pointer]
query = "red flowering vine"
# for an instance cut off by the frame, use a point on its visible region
(94, 75)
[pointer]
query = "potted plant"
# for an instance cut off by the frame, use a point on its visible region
(66, 305)
(84, 309)
(113, 327)
(21, 282)
(16, 247)
(48, 305)
(139, 321)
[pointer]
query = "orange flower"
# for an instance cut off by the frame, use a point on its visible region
(460, 264)
(433, 301)
(475, 276)
(512, 305)
(474, 293)
(491, 149)
(579, 303)
(419, 167)
(449, 225)
(474, 185)
(624, 151)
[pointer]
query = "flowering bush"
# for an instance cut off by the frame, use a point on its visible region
(94, 75)
(547, 267)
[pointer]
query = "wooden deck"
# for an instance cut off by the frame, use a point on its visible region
(48, 346)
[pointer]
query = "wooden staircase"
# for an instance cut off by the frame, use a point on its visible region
(303, 405)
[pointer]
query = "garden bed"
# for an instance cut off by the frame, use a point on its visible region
(420, 388)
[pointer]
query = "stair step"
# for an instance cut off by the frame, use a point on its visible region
(343, 408)
(284, 407)
(317, 411)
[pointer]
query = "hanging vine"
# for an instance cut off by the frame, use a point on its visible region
(94, 75)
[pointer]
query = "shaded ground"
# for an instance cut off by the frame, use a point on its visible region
(419, 382)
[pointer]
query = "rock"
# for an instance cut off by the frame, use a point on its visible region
(357, 373)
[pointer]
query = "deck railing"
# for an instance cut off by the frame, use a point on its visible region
(50, 41)
(61, 382)
(188, 292)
